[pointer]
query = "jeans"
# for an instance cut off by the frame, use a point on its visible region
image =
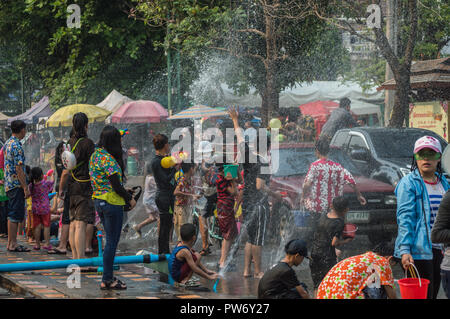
(111, 217)
(445, 278)
(4, 217)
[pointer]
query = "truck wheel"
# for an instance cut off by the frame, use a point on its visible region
(282, 224)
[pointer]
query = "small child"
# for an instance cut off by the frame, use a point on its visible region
(183, 198)
(326, 238)
(184, 261)
(149, 202)
(226, 192)
(39, 190)
(29, 219)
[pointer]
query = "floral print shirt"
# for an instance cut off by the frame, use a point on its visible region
(185, 186)
(101, 166)
(14, 156)
(327, 182)
(348, 278)
(40, 202)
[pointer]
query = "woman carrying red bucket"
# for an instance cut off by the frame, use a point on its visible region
(419, 195)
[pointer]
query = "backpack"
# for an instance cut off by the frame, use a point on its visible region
(69, 160)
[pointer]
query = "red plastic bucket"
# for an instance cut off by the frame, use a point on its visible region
(349, 231)
(413, 288)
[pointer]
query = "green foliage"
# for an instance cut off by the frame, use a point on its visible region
(433, 33)
(227, 29)
(109, 51)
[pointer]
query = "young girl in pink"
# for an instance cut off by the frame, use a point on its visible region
(39, 190)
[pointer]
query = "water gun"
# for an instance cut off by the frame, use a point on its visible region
(124, 132)
(49, 173)
(51, 195)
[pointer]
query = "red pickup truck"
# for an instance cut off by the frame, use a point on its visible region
(377, 219)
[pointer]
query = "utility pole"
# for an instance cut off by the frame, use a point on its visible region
(169, 82)
(391, 34)
(21, 81)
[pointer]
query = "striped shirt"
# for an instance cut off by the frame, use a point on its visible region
(225, 199)
(435, 194)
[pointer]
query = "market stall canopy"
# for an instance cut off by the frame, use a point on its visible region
(140, 112)
(199, 111)
(318, 109)
(37, 111)
(113, 101)
(64, 116)
(425, 74)
(364, 101)
(3, 117)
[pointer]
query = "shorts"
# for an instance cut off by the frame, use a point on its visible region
(320, 268)
(41, 219)
(182, 215)
(186, 269)
(82, 209)
(16, 205)
(211, 204)
(256, 219)
(227, 223)
(151, 208)
(65, 215)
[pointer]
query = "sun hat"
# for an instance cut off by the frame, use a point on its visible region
(427, 142)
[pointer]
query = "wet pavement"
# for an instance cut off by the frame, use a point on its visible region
(144, 283)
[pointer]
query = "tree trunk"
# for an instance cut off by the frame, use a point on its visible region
(271, 94)
(401, 103)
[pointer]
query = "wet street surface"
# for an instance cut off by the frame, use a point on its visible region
(145, 283)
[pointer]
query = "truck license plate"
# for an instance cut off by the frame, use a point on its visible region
(358, 217)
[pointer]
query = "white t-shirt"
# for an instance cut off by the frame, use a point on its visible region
(435, 194)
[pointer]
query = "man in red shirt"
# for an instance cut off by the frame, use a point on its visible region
(324, 181)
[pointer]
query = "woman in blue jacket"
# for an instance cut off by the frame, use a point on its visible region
(419, 195)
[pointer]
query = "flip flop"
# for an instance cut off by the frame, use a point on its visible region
(115, 285)
(36, 248)
(205, 252)
(56, 251)
(20, 249)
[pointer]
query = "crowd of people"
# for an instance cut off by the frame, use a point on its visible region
(90, 179)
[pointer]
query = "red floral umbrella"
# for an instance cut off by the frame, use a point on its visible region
(140, 112)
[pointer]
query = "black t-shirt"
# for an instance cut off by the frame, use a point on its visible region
(164, 177)
(276, 281)
(252, 171)
(327, 229)
(82, 152)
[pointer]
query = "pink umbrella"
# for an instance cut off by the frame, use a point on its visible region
(140, 112)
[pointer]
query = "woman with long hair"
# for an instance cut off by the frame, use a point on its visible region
(106, 169)
(419, 195)
(81, 205)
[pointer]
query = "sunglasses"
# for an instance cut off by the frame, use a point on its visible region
(427, 155)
